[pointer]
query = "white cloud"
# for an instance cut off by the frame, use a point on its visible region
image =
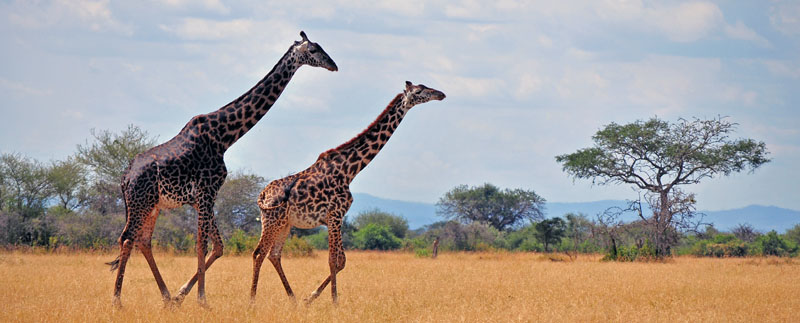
(210, 5)
(205, 29)
(742, 32)
(461, 86)
(686, 22)
(94, 15)
(22, 89)
(783, 68)
(785, 17)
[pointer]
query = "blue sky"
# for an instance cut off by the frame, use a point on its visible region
(525, 81)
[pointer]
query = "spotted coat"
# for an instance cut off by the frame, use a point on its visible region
(320, 194)
(189, 169)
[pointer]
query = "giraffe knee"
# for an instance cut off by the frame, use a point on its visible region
(340, 262)
(274, 257)
(218, 248)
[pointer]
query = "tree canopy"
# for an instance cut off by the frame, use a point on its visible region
(655, 155)
(658, 157)
(502, 209)
(550, 231)
(110, 154)
(396, 223)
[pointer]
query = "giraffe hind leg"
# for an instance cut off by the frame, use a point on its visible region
(275, 257)
(271, 235)
(126, 244)
(145, 247)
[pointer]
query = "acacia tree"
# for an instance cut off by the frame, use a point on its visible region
(502, 209)
(107, 157)
(550, 231)
(26, 192)
(658, 158)
(69, 182)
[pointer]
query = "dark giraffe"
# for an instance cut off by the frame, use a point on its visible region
(320, 195)
(189, 169)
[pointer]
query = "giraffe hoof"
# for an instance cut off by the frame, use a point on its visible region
(203, 303)
(177, 301)
(116, 303)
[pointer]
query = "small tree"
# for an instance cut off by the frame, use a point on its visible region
(26, 194)
(109, 156)
(234, 205)
(502, 209)
(658, 158)
(579, 229)
(376, 237)
(745, 232)
(771, 244)
(793, 234)
(398, 224)
(550, 231)
(68, 179)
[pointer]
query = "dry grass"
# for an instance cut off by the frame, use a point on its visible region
(377, 287)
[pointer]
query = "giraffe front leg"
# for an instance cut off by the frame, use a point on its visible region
(217, 252)
(202, 248)
(336, 259)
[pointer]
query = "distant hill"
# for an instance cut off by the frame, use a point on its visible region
(763, 218)
(418, 214)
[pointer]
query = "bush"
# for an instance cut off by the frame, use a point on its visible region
(298, 247)
(771, 244)
(396, 223)
(373, 236)
(633, 253)
(239, 242)
(318, 240)
(422, 253)
(732, 248)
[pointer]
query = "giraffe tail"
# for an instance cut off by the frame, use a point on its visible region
(114, 264)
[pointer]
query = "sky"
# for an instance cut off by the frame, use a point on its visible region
(525, 81)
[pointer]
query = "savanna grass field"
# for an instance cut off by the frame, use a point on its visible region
(401, 287)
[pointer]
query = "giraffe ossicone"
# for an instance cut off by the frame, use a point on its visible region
(320, 194)
(189, 170)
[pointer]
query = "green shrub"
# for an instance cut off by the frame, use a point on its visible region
(771, 244)
(422, 252)
(633, 253)
(298, 247)
(376, 237)
(239, 242)
(319, 240)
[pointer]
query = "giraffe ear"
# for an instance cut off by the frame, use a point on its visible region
(303, 46)
(303, 35)
(408, 85)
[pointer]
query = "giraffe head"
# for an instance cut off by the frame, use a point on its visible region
(311, 53)
(416, 94)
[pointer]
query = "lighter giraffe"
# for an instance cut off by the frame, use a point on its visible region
(320, 195)
(189, 169)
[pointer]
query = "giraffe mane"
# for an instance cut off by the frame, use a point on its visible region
(394, 101)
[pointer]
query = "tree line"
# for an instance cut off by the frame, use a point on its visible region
(76, 202)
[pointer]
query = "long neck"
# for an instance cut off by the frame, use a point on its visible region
(236, 118)
(359, 151)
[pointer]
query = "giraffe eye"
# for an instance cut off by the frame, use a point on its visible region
(312, 50)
